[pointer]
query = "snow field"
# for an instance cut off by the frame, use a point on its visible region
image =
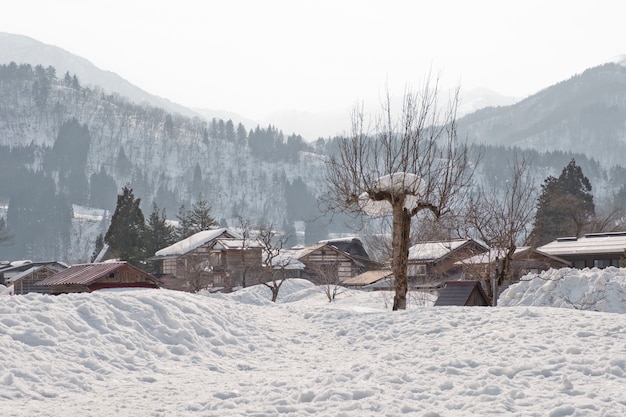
(165, 353)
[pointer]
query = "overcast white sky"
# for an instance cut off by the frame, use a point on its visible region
(255, 57)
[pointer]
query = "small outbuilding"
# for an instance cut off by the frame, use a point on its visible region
(462, 293)
(96, 276)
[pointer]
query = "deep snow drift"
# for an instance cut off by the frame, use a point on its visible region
(166, 353)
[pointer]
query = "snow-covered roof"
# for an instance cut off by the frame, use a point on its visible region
(24, 274)
(194, 241)
(286, 260)
(493, 254)
(346, 239)
(428, 251)
(592, 243)
(236, 243)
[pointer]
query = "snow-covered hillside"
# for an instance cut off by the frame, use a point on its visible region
(165, 353)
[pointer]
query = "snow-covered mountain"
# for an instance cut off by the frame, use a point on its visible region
(585, 114)
(168, 157)
(24, 50)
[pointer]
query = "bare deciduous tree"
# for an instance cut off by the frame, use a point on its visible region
(408, 163)
(328, 275)
(502, 217)
(276, 261)
(198, 274)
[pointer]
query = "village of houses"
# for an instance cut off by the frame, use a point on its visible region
(455, 272)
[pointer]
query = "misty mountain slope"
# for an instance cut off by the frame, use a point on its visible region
(585, 114)
(25, 50)
(164, 157)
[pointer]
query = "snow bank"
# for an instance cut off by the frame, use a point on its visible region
(167, 353)
(588, 289)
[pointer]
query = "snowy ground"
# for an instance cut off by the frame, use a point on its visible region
(165, 353)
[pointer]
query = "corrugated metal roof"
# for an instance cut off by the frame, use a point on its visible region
(368, 277)
(592, 243)
(82, 274)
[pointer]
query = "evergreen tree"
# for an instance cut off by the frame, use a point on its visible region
(564, 207)
(40, 218)
(183, 230)
(5, 236)
(159, 233)
(195, 220)
(125, 236)
(200, 217)
(102, 190)
(98, 247)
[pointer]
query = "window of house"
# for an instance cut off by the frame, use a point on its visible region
(169, 266)
(216, 258)
(414, 270)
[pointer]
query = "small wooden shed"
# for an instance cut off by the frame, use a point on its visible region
(96, 276)
(462, 293)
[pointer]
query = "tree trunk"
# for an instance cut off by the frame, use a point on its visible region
(400, 253)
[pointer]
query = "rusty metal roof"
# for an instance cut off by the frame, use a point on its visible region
(83, 274)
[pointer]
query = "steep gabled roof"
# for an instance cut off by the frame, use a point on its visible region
(591, 243)
(86, 274)
(436, 250)
(520, 253)
(194, 241)
(368, 277)
(457, 293)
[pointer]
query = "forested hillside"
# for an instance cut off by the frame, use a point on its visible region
(63, 144)
(584, 114)
(65, 147)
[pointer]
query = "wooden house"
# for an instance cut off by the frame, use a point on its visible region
(9, 271)
(96, 276)
(593, 250)
(23, 283)
(326, 263)
(432, 263)
(235, 263)
(462, 293)
(217, 259)
(525, 260)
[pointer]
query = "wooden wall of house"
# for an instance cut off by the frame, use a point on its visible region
(125, 275)
(26, 284)
(67, 289)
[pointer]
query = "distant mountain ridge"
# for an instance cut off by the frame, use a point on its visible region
(22, 49)
(169, 157)
(585, 114)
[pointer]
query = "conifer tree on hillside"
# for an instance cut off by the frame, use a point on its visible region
(159, 233)
(125, 236)
(564, 207)
(195, 220)
(5, 235)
